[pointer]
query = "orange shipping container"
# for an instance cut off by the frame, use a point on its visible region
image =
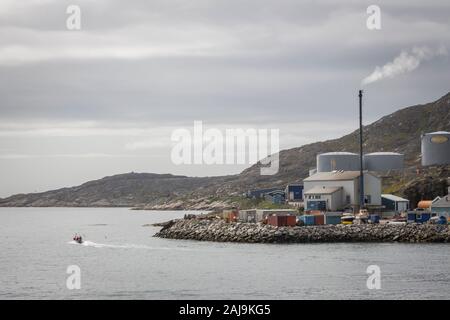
(272, 220)
(291, 221)
(281, 221)
(319, 219)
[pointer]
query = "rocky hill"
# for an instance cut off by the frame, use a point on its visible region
(123, 190)
(397, 132)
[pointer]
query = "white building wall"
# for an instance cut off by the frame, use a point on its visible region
(402, 206)
(348, 188)
(372, 187)
(336, 200)
(333, 201)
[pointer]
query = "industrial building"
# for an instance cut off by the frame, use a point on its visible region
(435, 148)
(441, 206)
(275, 196)
(348, 181)
(259, 193)
(324, 198)
(383, 161)
(294, 192)
(394, 203)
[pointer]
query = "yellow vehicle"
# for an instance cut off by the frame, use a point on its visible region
(347, 218)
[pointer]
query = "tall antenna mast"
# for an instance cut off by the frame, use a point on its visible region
(361, 173)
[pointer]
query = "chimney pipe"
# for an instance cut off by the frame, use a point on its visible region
(361, 173)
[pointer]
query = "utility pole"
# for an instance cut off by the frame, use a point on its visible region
(361, 173)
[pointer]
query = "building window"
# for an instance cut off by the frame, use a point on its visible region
(419, 216)
(347, 199)
(368, 198)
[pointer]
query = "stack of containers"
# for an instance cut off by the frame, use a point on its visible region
(319, 218)
(281, 221)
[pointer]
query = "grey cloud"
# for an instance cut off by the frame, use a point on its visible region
(163, 63)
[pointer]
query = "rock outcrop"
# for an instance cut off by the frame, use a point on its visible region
(221, 231)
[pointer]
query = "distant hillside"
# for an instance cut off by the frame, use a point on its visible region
(123, 190)
(398, 132)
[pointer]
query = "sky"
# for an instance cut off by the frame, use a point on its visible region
(78, 105)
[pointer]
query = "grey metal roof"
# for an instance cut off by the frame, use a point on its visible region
(437, 132)
(394, 198)
(323, 190)
(333, 175)
(295, 184)
(443, 202)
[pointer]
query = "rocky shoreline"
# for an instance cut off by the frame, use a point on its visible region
(221, 231)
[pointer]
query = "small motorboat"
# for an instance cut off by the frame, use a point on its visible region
(77, 238)
(347, 218)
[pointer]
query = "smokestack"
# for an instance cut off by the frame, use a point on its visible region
(361, 173)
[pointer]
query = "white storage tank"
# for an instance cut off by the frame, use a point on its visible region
(383, 161)
(347, 161)
(436, 148)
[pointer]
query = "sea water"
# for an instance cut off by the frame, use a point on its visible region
(120, 259)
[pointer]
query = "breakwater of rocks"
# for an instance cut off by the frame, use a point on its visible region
(221, 231)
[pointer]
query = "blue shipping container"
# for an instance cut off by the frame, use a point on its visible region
(308, 219)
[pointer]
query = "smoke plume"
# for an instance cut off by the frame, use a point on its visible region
(405, 62)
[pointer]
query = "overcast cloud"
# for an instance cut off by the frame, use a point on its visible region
(79, 105)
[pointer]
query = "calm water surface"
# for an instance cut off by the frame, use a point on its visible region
(121, 260)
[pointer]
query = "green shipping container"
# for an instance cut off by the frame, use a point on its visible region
(332, 219)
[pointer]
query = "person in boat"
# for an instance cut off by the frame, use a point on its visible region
(77, 238)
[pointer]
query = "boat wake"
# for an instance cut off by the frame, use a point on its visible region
(88, 243)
